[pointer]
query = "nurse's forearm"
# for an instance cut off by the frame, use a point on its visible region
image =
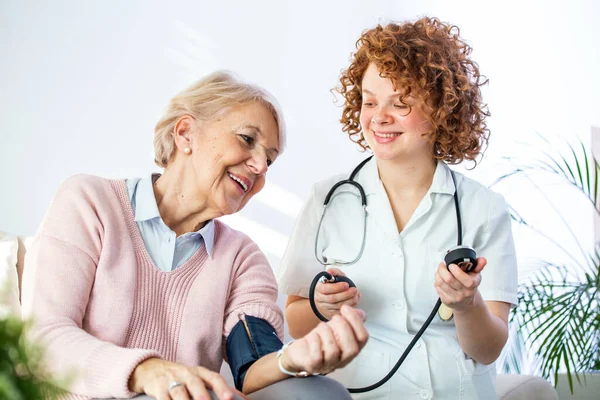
(481, 334)
(300, 317)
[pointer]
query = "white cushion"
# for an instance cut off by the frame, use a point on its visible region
(524, 387)
(9, 281)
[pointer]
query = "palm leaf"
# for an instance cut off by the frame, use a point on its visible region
(559, 307)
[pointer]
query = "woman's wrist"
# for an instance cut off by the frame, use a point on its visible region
(136, 378)
(475, 303)
(285, 364)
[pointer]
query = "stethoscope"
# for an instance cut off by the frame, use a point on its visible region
(463, 256)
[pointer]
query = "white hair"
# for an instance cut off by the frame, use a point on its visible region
(205, 100)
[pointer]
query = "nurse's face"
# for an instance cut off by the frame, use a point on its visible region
(393, 130)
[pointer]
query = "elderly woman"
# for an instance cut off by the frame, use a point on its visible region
(135, 287)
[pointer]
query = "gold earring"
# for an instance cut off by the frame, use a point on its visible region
(187, 150)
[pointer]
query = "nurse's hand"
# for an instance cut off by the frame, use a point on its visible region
(330, 345)
(330, 297)
(457, 288)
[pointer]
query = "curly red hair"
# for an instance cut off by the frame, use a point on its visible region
(429, 60)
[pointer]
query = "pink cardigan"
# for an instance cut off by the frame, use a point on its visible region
(101, 306)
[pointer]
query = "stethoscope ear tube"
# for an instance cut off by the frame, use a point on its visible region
(363, 196)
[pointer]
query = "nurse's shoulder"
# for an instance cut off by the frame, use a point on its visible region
(478, 198)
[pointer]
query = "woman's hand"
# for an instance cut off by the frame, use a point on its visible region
(330, 297)
(154, 377)
(330, 345)
(457, 288)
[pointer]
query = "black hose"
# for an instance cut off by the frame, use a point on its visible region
(333, 279)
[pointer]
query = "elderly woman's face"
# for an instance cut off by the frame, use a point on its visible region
(233, 153)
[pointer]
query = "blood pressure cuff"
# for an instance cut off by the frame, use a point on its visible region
(250, 339)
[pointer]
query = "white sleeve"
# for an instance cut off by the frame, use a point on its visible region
(299, 265)
(495, 243)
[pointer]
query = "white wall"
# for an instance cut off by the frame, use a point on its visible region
(596, 152)
(82, 84)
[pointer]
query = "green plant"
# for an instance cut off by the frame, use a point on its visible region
(558, 314)
(21, 375)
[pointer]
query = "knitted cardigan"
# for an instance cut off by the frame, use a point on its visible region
(100, 306)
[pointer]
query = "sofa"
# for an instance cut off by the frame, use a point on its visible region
(12, 255)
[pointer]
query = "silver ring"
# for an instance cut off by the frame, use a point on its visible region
(174, 384)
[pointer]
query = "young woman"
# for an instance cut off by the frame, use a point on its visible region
(412, 97)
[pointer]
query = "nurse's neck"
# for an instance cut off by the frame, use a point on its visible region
(407, 177)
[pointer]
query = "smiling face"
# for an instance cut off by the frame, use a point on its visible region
(231, 155)
(393, 130)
